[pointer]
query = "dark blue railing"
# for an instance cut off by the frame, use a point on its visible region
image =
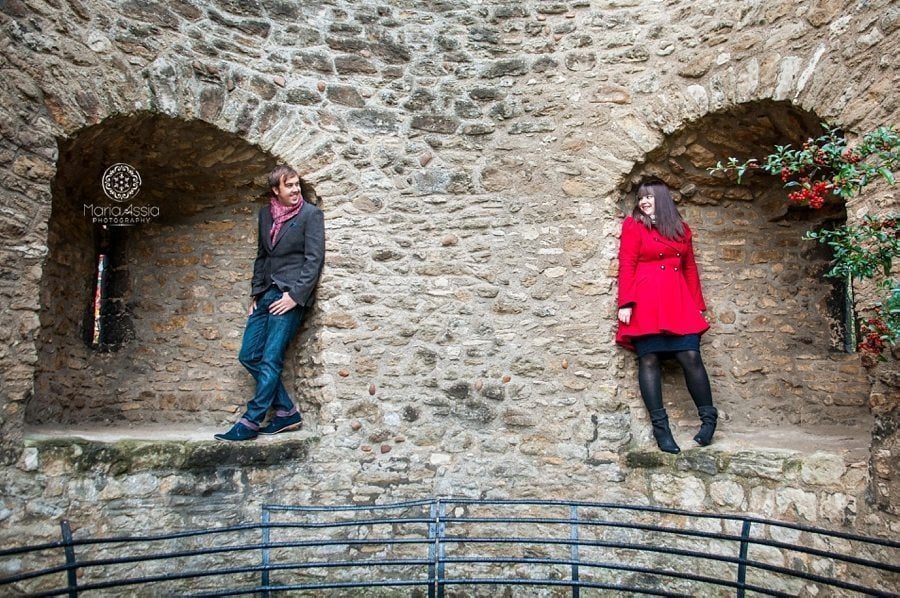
(450, 543)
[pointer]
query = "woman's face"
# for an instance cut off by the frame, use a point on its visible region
(647, 204)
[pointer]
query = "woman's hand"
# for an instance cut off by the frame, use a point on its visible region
(625, 315)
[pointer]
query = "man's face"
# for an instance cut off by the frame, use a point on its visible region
(288, 191)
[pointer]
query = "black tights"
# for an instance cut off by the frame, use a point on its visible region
(694, 375)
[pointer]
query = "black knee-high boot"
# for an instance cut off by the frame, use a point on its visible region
(698, 385)
(651, 392)
(661, 432)
(708, 418)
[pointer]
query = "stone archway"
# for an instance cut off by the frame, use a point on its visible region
(776, 353)
(178, 279)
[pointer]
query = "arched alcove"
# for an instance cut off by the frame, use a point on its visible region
(777, 351)
(179, 260)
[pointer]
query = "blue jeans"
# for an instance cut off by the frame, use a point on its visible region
(266, 339)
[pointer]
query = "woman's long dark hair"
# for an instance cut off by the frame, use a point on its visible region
(667, 219)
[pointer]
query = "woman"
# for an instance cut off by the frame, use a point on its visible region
(660, 307)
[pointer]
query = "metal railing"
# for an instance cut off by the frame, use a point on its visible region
(428, 547)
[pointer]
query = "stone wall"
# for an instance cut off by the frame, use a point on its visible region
(178, 485)
(472, 163)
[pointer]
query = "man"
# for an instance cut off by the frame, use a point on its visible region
(289, 259)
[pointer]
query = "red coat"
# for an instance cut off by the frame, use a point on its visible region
(658, 279)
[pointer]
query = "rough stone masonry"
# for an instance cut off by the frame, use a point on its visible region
(473, 160)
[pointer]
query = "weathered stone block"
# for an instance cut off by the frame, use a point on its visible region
(435, 123)
(822, 469)
(688, 493)
(727, 493)
(792, 503)
(769, 466)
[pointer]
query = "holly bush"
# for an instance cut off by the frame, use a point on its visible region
(826, 166)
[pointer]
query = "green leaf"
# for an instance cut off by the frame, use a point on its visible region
(887, 174)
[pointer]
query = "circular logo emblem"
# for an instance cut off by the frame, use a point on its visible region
(121, 182)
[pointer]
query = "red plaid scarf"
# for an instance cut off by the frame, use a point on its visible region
(281, 214)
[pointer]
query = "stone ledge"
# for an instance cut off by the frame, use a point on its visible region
(118, 452)
(768, 465)
(788, 445)
(817, 485)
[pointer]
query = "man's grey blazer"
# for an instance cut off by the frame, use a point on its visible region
(294, 262)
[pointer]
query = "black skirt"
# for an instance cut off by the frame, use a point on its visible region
(666, 343)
